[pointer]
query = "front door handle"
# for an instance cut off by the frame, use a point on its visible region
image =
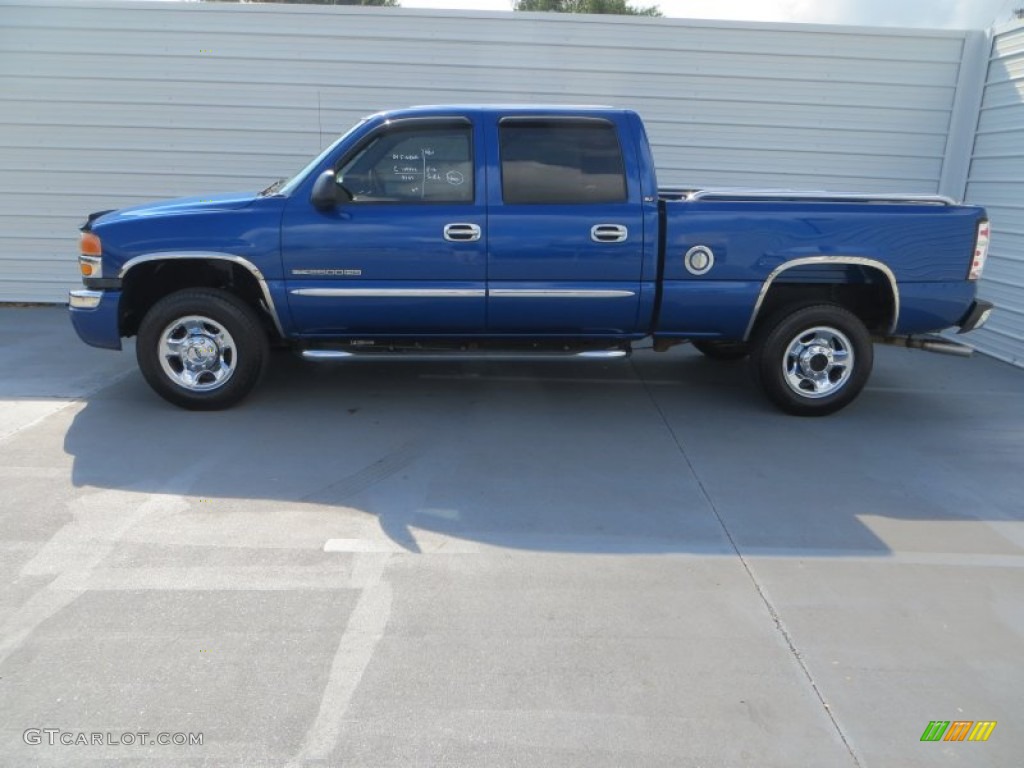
(608, 233)
(461, 233)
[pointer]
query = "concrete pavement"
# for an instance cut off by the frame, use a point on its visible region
(483, 564)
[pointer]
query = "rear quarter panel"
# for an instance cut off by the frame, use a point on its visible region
(927, 247)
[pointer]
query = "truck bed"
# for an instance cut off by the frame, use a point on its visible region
(760, 237)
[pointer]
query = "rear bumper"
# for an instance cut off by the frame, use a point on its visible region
(976, 316)
(94, 317)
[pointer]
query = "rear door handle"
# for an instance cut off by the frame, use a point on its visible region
(608, 233)
(461, 233)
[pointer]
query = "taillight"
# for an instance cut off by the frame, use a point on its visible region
(90, 261)
(980, 250)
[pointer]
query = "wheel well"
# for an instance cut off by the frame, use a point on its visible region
(863, 290)
(148, 282)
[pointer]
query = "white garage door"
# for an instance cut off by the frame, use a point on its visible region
(106, 104)
(996, 180)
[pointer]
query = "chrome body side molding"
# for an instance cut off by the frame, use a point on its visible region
(380, 293)
(184, 255)
(854, 260)
(558, 293)
(445, 293)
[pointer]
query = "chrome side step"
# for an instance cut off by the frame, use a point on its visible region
(601, 354)
(325, 355)
(338, 355)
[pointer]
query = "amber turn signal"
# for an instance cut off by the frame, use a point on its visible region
(90, 245)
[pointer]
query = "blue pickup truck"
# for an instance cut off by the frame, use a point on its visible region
(524, 231)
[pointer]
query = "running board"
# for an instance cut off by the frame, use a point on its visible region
(928, 344)
(339, 355)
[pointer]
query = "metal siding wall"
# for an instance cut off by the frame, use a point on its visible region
(996, 180)
(110, 104)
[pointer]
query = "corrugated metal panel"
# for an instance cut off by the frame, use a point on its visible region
(105, 104)
(996, 180)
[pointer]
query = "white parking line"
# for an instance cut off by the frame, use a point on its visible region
(356, 647)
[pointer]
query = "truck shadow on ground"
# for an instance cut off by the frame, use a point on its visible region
(663, 454)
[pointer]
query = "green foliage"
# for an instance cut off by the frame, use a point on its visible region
(620, 7)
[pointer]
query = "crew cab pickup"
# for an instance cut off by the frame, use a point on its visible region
(524, 231)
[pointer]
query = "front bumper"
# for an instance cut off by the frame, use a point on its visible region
(94, 317)
(976, 316)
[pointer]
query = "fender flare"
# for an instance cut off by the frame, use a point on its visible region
(207, 255)
(803, 261)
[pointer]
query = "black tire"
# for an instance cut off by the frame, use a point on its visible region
(797, 357)
(221, 344)
(722, 350)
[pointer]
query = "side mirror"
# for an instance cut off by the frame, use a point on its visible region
(325, 195)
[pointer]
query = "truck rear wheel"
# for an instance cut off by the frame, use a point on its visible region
(201, 349)
(812, 361)
(722, 350)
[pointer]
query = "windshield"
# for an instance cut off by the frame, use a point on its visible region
(288, 188)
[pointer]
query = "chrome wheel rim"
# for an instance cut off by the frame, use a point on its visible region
(818, 362)
(197, 353)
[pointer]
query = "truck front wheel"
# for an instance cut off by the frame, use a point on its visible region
(201, 349)
(812, 361)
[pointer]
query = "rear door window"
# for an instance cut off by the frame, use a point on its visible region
(560, 162)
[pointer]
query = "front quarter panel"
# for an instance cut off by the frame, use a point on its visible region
(236, 228)
(252, 233)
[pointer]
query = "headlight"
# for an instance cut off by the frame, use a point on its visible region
(91, 259)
